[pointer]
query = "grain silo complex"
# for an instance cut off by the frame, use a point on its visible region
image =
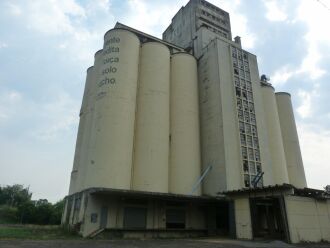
(181, 137)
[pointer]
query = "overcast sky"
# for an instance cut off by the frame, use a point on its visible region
(47, 45)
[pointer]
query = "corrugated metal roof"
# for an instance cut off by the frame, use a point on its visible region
(168, 196)
(305, 192)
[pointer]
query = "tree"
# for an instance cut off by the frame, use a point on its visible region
(55, 218)
(43, 212)
(26, 212)
(14, 195)
(16, 206)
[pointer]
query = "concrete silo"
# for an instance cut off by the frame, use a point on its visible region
(151, 145)
(293, 157)
(275, 141)
(89, 144)
(77, 163)
(110, 162)
(185, 157)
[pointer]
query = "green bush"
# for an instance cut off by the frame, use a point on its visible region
(8, 215)
(16, 206)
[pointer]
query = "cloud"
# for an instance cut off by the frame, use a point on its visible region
(307, 101)
(150, 17)
(274, 11)
(282, 75)
(238, 21)
(54, 17)
(314, 15)
(315, 147)
(8, 102)
(154, 17)
(14, 9)
(78, 26)
(58, 117)
(316, 39)
(3, 45)
(310, 63)
(37, 142)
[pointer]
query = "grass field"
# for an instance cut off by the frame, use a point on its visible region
(34, 232)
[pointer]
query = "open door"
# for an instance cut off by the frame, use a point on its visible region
(104, 217)
(268, 218)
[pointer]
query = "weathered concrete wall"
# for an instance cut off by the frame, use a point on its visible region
(156, 214)
(308, 219)
(93, 207)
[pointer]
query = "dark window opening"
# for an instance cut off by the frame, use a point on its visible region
(238, 92)
(245, 166)
(246, 180)
(135, 217)
(94, 218)
(175, 218)
(258, 167)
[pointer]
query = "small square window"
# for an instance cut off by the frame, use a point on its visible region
(248, 86)
(237, 82)
(241, 127)
(245, 56)
(257, 155)
(254, 130)
(94, 218)
(252, 168)
(243, 139)
(248, 129)
(245, 105)
(238, 92)
(246, 180)
(249, 140)
(246, 117)
(248, 76)
(255, 142)
(240, 115)
(244, 94)
(249, 96)
(253, 118)
(251, 107)
(258, 167)
(244, 153)
(245, 166)
(243, 84)
(239, 103)
(251, 154)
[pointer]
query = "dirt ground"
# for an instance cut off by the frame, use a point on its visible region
(159, 243)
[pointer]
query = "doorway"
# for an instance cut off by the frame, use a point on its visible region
(269, 218)
(104, 217)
